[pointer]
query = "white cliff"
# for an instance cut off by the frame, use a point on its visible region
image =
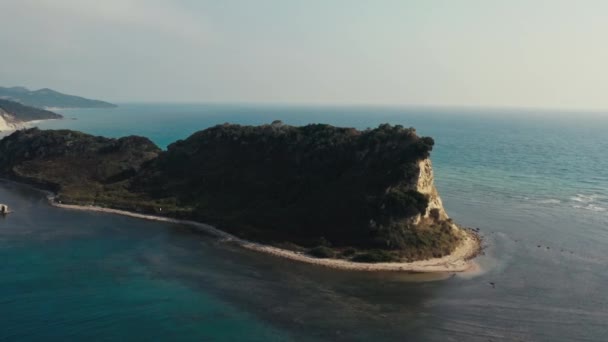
(426, 185)
(8, 122)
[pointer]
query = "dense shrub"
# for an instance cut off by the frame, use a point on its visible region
(404, 203)
(348, 252)
(375, 255)
(322, 252)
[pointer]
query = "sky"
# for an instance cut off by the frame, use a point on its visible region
(482, 53)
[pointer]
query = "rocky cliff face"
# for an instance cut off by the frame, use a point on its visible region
(425, 184)
(4, 125)
(8, 122)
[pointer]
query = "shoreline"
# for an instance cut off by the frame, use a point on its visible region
(460, 260)
(22, 125)
(77, 108)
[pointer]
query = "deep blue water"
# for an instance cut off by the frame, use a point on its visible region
(526, 178)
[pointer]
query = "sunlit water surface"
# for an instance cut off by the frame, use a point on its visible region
(534, 182)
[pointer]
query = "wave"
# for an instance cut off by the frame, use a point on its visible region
(591, 207)
(590, 202)
(550, 201)
(581, 198)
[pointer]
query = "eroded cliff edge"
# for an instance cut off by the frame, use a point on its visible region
(329, 191)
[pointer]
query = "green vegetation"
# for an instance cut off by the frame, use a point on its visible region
(322, 252)
(278, 182)
(45, 98)
(82, 168)
(323, 188)
(26, 113)
(348, 252)
(376, 255)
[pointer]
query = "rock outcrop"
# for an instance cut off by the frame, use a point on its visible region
(8, 121)
(425, 184)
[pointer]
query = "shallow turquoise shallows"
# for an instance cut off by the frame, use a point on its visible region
(536, 183)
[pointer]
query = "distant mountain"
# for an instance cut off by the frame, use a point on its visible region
(14, 114)
(48, 98)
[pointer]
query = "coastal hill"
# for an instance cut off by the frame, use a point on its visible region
(48, 98)
(81, 167)
(334, 192)
(13, 115)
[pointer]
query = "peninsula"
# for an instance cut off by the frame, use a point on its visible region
(14, 115)
(49, 99)
(337, 197)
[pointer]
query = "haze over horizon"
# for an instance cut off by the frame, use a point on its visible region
(529, 54)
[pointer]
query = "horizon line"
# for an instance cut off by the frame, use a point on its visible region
(378, 105)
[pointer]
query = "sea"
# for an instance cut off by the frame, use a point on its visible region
(535, 182)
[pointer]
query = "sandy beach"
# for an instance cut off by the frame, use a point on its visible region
(8, 129)
(458, 261)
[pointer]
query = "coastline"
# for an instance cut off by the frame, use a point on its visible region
(21, 125)
(460, 260)
(52, 109)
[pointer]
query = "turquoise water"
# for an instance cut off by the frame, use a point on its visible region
(526, 178)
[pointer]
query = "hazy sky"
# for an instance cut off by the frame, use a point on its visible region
(526, 53)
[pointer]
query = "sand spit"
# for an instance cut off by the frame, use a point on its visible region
(458, 261)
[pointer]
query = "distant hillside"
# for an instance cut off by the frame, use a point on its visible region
(48, 98)
(12, 114)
